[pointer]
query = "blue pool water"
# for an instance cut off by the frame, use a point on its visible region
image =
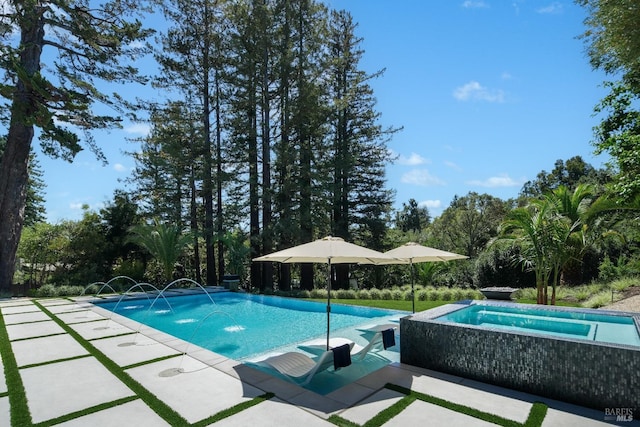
(565, 323)
(239, 326)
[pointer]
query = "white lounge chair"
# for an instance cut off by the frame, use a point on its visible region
(379, 328)
(299, 367)
(319, 345)
(374, 343)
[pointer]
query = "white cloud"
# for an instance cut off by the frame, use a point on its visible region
(453, 166)
(413, 160)
(138, 129)
(430, 204)
(474, 91)
(76, 206)
(474, 4)
(552, 9)
(506, 75)
(503, 180)
(421, 177)
(119, 167)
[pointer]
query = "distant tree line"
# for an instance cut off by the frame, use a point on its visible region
(571, 233)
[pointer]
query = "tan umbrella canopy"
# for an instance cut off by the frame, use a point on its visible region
(413, 252)
(330, 250)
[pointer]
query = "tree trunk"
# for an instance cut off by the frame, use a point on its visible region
(254, 209)
(267, 231)
(306, 219)
(219, 218)
(13, 193)
(14, 167)
(208, 179)
(193, 221)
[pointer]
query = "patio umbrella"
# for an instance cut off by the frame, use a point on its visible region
(330, 250)
(414, 252)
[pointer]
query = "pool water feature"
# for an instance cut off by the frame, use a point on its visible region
(243, 325)
(569, 324)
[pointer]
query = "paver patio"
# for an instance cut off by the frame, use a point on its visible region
(61, 377)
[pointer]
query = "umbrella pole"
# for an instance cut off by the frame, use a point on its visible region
(328, 303)
(413, 297)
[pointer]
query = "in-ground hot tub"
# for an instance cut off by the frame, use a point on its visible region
(587, 357)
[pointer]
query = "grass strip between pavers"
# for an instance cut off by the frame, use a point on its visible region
(39, 336)
(50, 362)
(30, 322)
(148, 362)
(19, 409)
(233, 410)
(106, 337)
(391, 411)
(535, 418)
(157, 405)
(86, 411)
(536, 415)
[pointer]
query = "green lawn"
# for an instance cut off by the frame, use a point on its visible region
(420, 305)
(388, 304)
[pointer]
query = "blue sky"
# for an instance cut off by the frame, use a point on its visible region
(489, 93)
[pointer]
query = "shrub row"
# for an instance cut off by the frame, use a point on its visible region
(396, 293)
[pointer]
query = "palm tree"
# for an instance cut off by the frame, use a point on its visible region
(555, 230)
(529, 228)
(164, 242)
(573, 215)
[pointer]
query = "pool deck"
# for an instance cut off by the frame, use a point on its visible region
(67, 352)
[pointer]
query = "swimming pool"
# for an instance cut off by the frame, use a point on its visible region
(569, 324)
(241, 326)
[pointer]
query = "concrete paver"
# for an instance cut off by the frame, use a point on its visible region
(493, 403)
(46, 349)
(3, 383)
(273, 413)
(71, 317)
(12, 302)
(32, 316)
(56, 301)
(199, 392)
(125, 351)
(73, 385)
(418, 412)
(368, 408)
(557, 417)
(16, 308)
(32, 330)
(91, 330)
(5, 414)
